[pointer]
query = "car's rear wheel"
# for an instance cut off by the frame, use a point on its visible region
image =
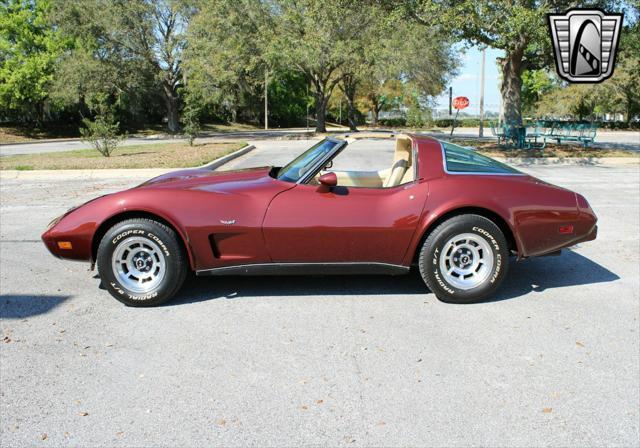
(141, 262)
(464, 259)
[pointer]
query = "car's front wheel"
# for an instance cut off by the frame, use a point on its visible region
(464, 259)
(141, 262)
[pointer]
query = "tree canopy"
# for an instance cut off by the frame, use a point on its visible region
(180, 62)
(29, 49)
(518, 27)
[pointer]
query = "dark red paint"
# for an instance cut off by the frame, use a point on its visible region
(276, 221)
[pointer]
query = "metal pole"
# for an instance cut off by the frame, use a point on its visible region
(266, 99)
(453, 125)
(340, 119)
(307, 107)
(450, 100)
(481, 129)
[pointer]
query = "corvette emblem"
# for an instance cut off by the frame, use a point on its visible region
(229, 222)
(585, 43)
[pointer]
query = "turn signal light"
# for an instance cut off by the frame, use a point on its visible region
(65, 245)
(566, 229)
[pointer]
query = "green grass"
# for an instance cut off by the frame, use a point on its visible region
(159, 155)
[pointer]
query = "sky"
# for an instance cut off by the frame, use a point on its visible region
(467, 83)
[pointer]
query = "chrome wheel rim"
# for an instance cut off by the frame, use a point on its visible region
(139, 264)
(466, 261)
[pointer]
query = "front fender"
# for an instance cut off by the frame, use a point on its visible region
(83, 225)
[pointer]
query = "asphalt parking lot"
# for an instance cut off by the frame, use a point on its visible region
(348, 361)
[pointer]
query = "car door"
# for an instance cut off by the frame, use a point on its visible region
(345, 224)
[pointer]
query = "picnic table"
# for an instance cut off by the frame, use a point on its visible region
(537, 134)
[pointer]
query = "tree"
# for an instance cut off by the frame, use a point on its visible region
(535, 84)
(578, 101)
(348, 86)
(317, 39)
(380, 94)
(133, 32)
(224, 62)
(396, 53)
(622, 90)
(518, 27)
(618, 95)
(29, 48)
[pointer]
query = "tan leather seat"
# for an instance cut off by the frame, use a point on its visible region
(401, 168)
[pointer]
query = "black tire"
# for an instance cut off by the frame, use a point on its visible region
(169, 250)
(431, 259)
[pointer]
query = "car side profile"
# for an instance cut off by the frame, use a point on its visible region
(457, 216)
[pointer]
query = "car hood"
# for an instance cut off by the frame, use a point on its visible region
(199, 178)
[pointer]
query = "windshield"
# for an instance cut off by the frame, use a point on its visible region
(305, 161)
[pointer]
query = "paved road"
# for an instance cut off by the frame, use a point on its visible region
(605, 139)
(353, 361)
(75, 144)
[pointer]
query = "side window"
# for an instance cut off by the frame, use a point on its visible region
(462, 160)
(374, 163)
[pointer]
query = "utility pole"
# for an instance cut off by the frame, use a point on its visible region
(266, 98)
(481, 129)
(307, 106)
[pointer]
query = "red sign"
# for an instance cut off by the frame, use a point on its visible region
(460, 102)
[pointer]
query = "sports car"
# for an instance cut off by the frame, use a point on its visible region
(456, 216)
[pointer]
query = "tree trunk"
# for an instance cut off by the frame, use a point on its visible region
(375, 113)
(171, 101)
(348, 87)
(351, 114)
(321, 112)
(511, 87)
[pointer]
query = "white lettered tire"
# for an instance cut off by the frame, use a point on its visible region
(464, 259)
(141, 262)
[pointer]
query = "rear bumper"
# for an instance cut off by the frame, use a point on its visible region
(592, 235)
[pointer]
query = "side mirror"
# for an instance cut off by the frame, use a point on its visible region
(328, 180)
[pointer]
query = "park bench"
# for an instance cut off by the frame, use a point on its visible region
(498, 132)
(569, 132)
(536, 135)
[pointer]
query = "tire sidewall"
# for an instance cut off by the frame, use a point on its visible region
(485, 229)
(169, 247)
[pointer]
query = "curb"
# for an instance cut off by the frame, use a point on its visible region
(217, 163)
(35, 142)
(110, 173)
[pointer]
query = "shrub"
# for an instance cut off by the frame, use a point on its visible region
(392, 122)
(191, 123)
(415, 117)
(102, 133)
(443, 122)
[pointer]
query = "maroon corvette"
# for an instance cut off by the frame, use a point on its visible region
(454, 214)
